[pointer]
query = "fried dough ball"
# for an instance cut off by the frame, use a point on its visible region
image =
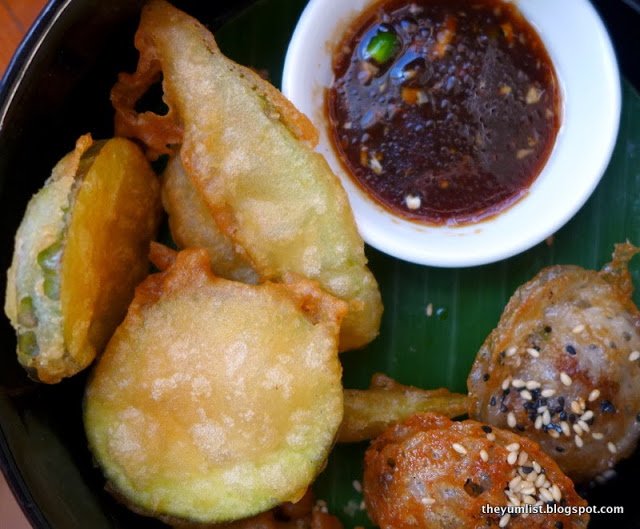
(562, 366)
(432, 473)
(216, 400)
(80, 250)
(248, 154)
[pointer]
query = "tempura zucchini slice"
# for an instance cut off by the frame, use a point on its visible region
(216, 400)
(79, 253)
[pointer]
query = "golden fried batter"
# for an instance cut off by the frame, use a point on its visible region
(216, 400)
(79, 253)
(562, 366)
(248, 153)
(432, 473)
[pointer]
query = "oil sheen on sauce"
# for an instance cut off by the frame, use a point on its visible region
(445, 111)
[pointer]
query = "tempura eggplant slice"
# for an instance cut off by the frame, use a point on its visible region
(216, 400)
(79, 253)
(248, 152)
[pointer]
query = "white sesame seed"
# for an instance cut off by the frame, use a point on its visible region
(357, 485)
(583, 425)
(411, 201)
(515, 501)
(578, 329)
(533, 384)
(565, 428)
(545, 495)
(484, 455)
(556, 492)
(518, 383)
(594, 395)
(540, 480)
(531, 476)
(578, 440)
(542, 408)
(577, 429)
(528, 499)
(459, 448)
(522, 458)
(635, 355)
(506, 383)
(553, 434)
(427, 501)
(512, 350)
(528, 491)
(538, 424)
(546, 417)
(504, 520)
(512, 458)
(533, 352)
(565, 379)
(526, 395)
(513, 447)
(575, 407)
(537, 467)
(511, 420)
(515, 482)
(548, 393)
(612, 448)
(587, 415)
(429, 310)
(491, 437)
(597, 436)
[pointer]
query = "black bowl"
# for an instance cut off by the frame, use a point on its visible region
(56, 88)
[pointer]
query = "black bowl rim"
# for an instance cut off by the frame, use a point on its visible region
(9, 84)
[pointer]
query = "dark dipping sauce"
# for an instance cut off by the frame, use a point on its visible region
(445, 111)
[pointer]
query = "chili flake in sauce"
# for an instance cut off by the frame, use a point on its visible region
(445, 111)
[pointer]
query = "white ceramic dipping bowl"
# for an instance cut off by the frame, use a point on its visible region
(587, 71)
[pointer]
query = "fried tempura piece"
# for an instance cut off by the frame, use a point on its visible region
(193, 226)
(216, 400)
(367, 413)
(79, 253)
(248, 153)
(562, 366)
(431, 472)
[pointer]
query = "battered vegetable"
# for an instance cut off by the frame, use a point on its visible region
(562, 366)
(432, 473)
(79, 253)
(216, 400)
(367, 413)
(248, 153)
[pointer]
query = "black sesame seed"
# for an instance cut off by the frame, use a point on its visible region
(486, 429)
(561, 401)
(520, 428)
(492, 402)
(526, 470)
(485, 377)
(572, 418)
(607, 407)
(570, 349)
(547, 329)
(562, 415)
(503, 408)
(559, 449)
(505, 392)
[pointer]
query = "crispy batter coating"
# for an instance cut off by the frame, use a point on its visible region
(432, 473)
(561, 366)
(79, 253)
(216, 400)
(248, 153)
(368, 412)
